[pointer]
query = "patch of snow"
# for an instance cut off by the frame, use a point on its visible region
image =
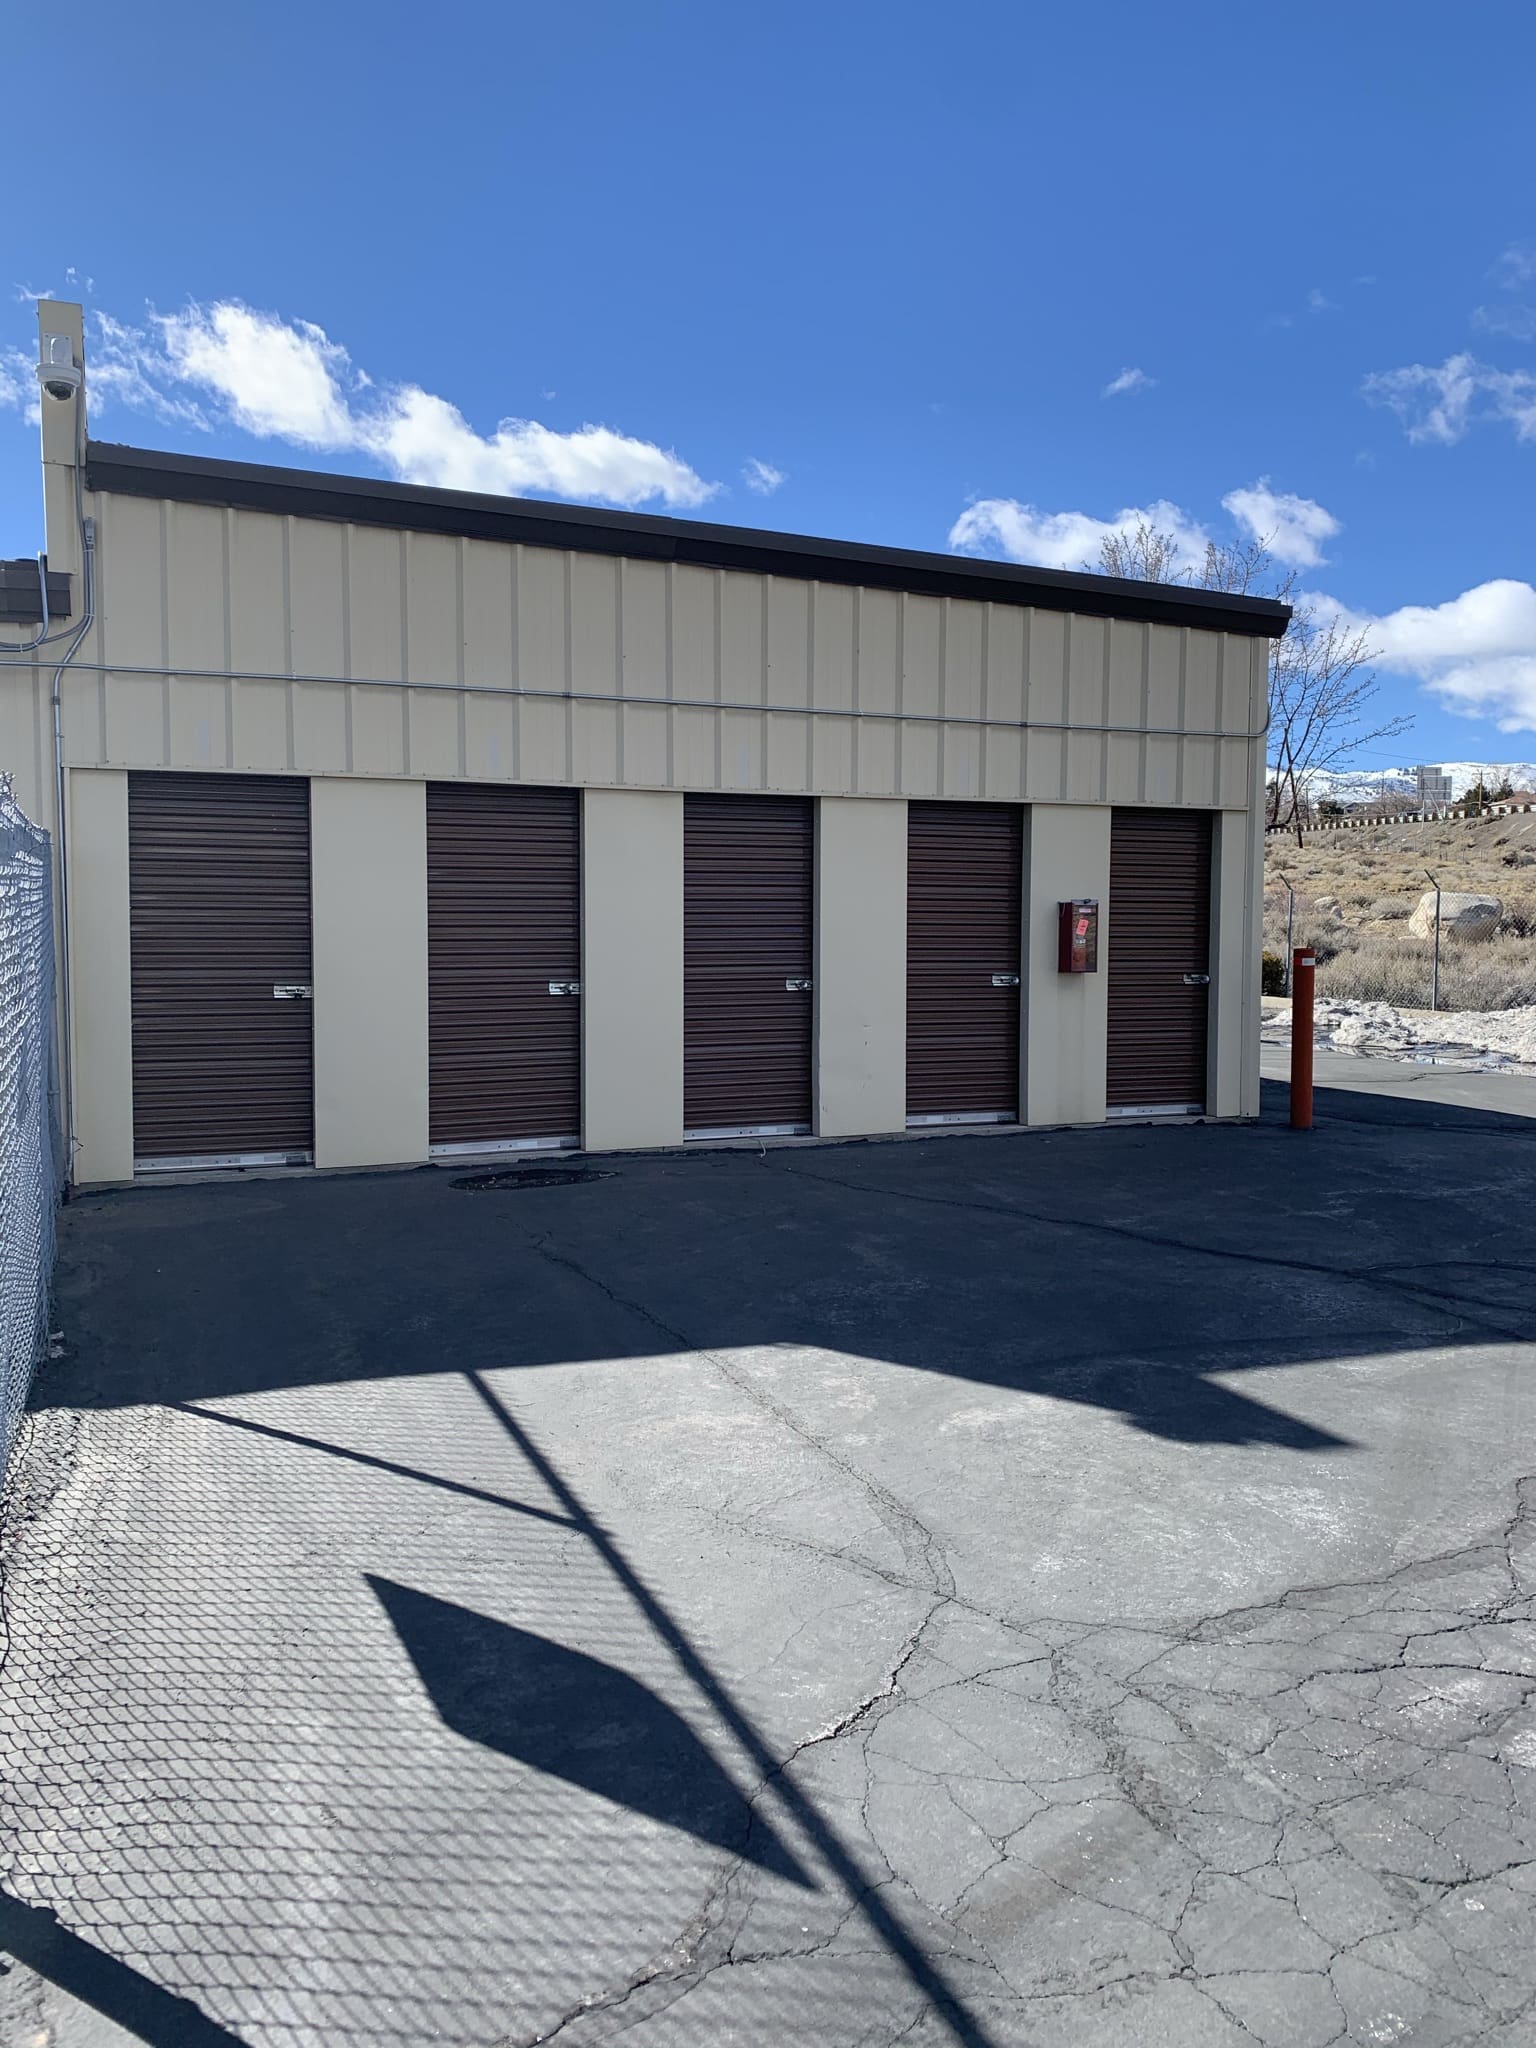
(1465, 1038)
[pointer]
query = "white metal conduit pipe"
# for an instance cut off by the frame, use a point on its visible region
(66, 1029)
(15, 656)
(167, 671)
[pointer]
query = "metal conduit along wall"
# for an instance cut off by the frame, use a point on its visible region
(748, 916)
(503, 963)
(965, 865)
(1159, 960)
(218, 877)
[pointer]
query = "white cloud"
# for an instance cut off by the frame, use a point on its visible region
(762, 477)
(426, 440)
(1128, 381)
(1438, 402)
(1319, 302)
(1516, 266)
(1476, 652)
(1515, 269)
(1518, 322)
(286, 380)
(124, 368)
(279, 379)
(74, 282)
(1293, 528)
(1068, 540)
(18, 385)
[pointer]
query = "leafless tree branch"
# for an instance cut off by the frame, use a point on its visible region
(1321, 687)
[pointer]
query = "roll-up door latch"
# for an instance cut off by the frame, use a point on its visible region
(565, 988)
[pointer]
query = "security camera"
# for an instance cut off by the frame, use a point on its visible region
(58, 372)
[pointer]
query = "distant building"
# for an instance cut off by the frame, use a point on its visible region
(1434, 785)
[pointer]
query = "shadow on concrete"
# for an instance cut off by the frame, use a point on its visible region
(1403, 1095)
(300, 1850)
(576, 1718)
(1137, 1270)
(35, 1937)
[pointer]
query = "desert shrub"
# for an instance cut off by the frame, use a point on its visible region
(1383, 967)
(1392, 906)
(1377, 967)
(1274, 974)
(1499, 974)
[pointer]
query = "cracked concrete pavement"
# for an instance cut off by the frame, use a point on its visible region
(1073, 1590)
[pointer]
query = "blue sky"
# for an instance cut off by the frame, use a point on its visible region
(894, 255)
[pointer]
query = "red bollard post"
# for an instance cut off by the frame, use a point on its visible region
(1303, 974)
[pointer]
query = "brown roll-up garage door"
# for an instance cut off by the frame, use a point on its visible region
(748, 864)
(503, 964)
(964, 931)
(1159, 960)
(218, 892)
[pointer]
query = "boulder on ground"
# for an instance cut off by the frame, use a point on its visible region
(1462, 913)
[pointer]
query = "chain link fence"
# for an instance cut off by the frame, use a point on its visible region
(31, 1152)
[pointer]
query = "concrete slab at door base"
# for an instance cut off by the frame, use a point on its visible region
(199, 1163)
(748, 1131)
(1161, 1110)
(493, 1148)
(944, 1119)
(194, 1171)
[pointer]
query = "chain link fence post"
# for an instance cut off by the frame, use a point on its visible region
(31, 1148)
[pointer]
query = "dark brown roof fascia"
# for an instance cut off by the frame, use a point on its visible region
(365, 501)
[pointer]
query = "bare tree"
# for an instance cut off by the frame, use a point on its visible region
(1145, 556)
(1321, 688)
(1321, 693)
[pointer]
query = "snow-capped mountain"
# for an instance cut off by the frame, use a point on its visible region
(1359, 785)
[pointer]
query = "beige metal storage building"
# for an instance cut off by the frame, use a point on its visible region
(401, 824)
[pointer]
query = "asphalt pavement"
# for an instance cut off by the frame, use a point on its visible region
(1070, 1589)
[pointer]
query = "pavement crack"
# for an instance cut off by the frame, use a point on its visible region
(916, 1540)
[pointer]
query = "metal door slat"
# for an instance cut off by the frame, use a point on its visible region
(503, 922)
(219, 915)
(748, 866)
(1159, 931)
(964, 938)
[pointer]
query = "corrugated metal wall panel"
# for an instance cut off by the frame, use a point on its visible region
(1159, 932)
(218, 882)
(181, 582)
(503, 922)
(748, 914)
(964, 926)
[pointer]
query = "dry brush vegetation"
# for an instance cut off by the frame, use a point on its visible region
(1356, 889)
